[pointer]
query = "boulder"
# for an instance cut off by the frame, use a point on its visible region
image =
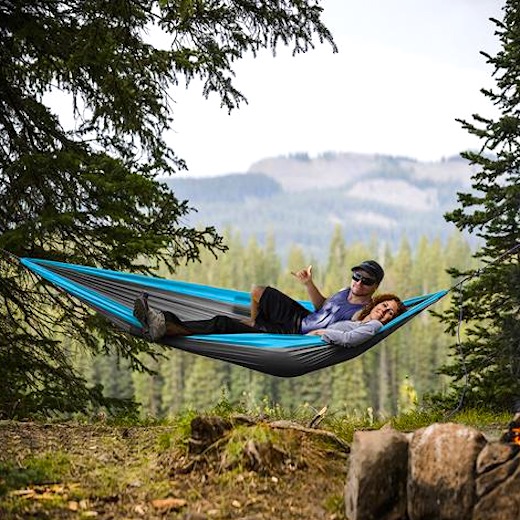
(441, 469)
(376, 479)
(498, 482)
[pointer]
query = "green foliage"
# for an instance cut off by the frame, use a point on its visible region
(241, 436)
(44, 469)
(344, 426)
(482, 418)
(416, 419)
(335, 505)
(486, 365)
(177, 433)
(85, 192)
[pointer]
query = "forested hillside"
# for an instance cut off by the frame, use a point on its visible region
(300, 200)
(390, 378)
(332, 211)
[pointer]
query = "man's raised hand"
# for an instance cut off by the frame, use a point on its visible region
(304, 276)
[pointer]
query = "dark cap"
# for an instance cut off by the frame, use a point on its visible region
(371, 267)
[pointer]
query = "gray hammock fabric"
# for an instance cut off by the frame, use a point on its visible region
(113, 293)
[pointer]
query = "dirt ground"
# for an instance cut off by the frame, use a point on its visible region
(215, 469)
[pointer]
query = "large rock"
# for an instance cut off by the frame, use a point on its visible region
(498, 482)
(441, 482)
(376, 480)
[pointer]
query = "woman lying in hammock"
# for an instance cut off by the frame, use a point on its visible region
(364, 325)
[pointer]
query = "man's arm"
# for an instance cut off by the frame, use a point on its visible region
(305, 277)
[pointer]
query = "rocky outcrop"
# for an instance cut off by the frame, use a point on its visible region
(441, 472)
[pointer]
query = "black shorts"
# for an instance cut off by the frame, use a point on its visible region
(280, 314)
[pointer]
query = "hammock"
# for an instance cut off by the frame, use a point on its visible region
(112, 294)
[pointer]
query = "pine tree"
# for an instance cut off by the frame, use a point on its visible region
(204, 384)
(86, 192)
(173, 372)
(271, 265)
(147, 388)
(491, 301)
(394, 353)
(349, 391)
(288, 283)
(336, 268)
(426, 344)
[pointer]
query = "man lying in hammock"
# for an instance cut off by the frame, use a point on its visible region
(279, 313)
(348, 333)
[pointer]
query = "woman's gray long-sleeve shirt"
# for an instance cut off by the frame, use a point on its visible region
(351, 333)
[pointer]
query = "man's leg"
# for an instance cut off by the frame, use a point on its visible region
(278, 313)
(175, 326)
(220, 325)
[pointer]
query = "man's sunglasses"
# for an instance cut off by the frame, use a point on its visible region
(365, 281)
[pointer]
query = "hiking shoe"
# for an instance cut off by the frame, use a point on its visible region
(141, 310)
(156, 324)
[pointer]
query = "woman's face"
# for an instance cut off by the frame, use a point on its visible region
(384, 311)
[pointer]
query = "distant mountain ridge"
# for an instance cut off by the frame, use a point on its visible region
(301, 199)
(334, 169)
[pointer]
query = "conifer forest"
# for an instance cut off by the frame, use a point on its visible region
(393, 377)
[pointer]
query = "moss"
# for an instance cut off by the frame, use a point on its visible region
(47, 468)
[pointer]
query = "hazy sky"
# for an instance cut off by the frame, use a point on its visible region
(404, 71)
